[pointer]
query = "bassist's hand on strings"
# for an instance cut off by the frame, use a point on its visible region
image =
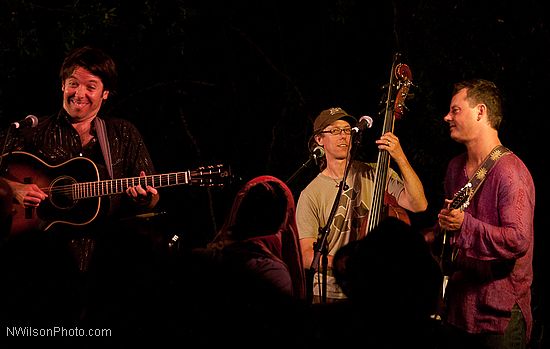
(413, 197)
(450, 219)
(27, 195)
(390, 142)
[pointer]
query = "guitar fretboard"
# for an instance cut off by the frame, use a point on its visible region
(117, 186)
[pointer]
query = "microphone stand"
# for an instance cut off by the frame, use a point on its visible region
(306, 164)
(320, 246)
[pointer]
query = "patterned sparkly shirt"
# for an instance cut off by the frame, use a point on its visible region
(55, 141)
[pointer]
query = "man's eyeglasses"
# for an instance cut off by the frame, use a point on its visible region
(336, 131)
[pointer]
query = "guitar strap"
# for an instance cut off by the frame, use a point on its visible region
(481, 173)
(104, 143)
(483, 170)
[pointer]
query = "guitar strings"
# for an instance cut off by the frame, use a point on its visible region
(114, 186)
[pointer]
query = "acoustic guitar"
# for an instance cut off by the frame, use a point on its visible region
(74, 188)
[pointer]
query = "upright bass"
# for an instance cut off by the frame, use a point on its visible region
(384, 205)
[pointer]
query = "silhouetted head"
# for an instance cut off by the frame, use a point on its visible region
(260, 208)
(264, 213)
(390, 270)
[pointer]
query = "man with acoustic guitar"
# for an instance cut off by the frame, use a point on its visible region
(490, 264)
(110, 148)
(332, 130)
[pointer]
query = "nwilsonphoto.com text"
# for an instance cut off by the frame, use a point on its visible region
(56, 331)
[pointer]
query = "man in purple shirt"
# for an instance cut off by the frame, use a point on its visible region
(488, 296)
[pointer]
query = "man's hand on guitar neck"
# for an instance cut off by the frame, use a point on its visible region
(147, 196)
(450, 219)
(27, 195)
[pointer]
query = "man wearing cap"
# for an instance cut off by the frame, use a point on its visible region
(332, 130)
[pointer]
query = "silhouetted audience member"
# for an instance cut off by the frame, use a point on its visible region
(260, 235)
(251, 271)
(392, 282)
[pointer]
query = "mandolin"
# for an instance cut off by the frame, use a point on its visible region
(445, 253)
(460, 200)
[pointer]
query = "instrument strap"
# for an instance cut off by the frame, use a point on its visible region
(104, 143)
(481, 173)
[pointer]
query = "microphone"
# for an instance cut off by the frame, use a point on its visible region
(365, 121)
(28, 121)
(318, 152)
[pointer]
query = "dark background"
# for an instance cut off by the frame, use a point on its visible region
(240, 82)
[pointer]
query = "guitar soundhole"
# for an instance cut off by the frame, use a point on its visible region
(61, 195)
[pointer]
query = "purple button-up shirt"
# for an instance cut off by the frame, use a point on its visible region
(498, 226)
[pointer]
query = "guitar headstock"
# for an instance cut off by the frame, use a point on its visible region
(461, 199)
(211, 176)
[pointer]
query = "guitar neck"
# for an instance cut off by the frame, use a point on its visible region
(446, 256)
(118, 186)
